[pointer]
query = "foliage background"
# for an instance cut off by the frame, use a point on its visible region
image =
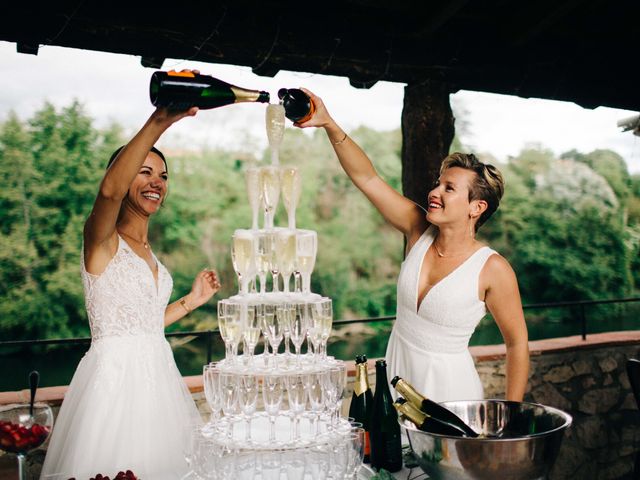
(570, 226)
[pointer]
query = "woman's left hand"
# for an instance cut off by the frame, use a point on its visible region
(205, 286)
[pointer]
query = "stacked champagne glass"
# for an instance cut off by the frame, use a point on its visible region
(276, 414)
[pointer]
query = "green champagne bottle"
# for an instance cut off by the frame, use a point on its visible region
(386, 449)
(183, 90)
(424, 422)
(362, 401)
(431, 408)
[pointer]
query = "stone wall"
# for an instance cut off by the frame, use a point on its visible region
(592, 385)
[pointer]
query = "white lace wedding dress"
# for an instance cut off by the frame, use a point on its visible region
(127, 406)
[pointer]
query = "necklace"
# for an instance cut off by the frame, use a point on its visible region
(442, 255)
(144, 244)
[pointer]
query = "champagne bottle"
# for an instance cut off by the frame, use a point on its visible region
(431, 408)
(298, 107)
(183, 90)
(362, 401)
(424, 422)
(386, 449)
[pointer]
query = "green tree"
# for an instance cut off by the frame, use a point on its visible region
(51, 169)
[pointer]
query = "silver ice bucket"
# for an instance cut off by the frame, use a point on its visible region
(519, 441)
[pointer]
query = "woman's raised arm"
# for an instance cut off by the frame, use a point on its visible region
(100, 239)
(398, 210)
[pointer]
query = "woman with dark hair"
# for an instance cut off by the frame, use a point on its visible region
(448, 279)
(127, 406)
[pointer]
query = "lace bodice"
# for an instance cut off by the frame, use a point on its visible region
(450, 311)
(123, 300)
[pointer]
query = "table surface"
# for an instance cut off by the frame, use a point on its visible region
(416, 473)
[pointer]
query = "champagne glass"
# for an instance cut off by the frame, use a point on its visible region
(272, 392)
(250, 332)
(291, 190)
(229, 392)
(211, 382)
(294, 464)
(299, 328)
(336, 381)
(355, 444)
(284, 314)
(286, 255)
(322, 322)
(319, 456)
(246, 463)
(275, 129)
(270, 184)
(254, 192)
(271, 329)
(271, 464)
(248, 399)
(264, 258)
(306, 251)
(243, 256)
(22, 429)
(316, 389)
(230, 327)
(297, 396)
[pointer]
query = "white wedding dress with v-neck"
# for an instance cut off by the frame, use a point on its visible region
(429, 342)
(127, 406)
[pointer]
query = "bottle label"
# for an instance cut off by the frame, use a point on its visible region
(173, 73)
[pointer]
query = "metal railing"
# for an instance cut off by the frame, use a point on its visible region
(208, 335)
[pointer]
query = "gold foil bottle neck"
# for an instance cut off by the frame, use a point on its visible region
(362, 383)
(244, 95)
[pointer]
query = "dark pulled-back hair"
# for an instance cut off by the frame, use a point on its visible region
(153, 149)
(488, 183)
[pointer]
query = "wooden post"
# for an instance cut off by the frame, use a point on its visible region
(427, 133)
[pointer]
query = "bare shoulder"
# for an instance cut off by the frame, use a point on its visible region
(498, 265)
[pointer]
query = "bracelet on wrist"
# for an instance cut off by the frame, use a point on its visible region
(183, 302)
(340, 141)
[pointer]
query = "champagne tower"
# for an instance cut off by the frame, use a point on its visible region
(275, 414)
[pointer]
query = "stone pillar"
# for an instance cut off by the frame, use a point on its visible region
(427, 133)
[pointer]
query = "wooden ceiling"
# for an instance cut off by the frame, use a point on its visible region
(576, 50)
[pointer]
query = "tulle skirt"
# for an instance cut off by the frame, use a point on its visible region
(438, 376)
(127, 407)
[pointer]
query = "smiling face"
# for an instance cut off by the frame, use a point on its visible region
(448, 202)
(149, 187)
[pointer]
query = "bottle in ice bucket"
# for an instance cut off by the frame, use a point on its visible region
(386, 449)
(362, 401)
(183, 90)
(431, 408)
(298, 107)
(424, 422)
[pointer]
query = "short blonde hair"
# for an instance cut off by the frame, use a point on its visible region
(488, 184)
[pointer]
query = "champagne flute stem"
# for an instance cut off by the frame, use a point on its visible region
(275, 276)
(247, 433)
(287, 279)
(272, 428)
(287, 337)
(22, 467)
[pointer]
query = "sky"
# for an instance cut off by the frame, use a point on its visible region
(114, 87)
